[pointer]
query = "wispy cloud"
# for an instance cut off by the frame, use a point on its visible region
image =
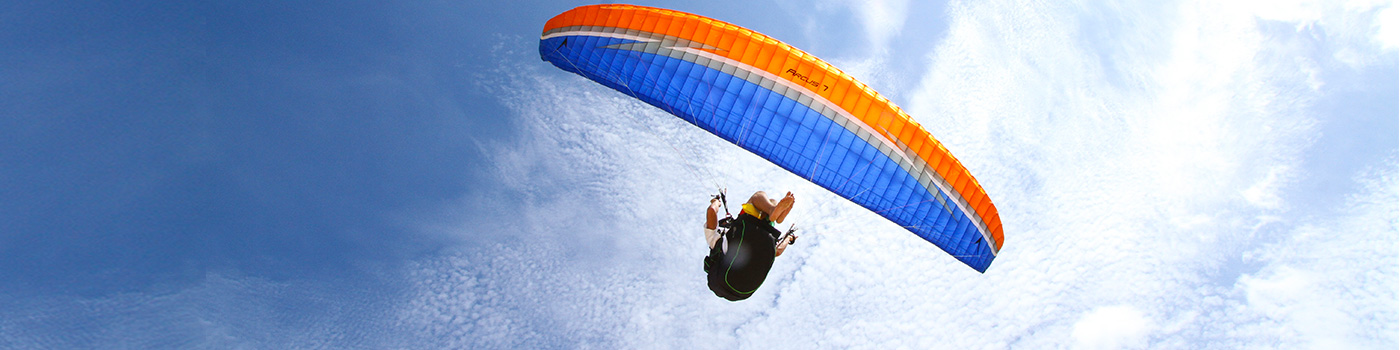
(880, 20)
(1329, 283)
(1359, 29)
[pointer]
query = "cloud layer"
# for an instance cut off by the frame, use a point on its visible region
(1147, 159)
(1141, 157)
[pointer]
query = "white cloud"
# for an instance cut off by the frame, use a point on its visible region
(1145, 159)
(1331, 283)
(881, 20)
(1112, 327)
(1388, 27)
(1265, 192)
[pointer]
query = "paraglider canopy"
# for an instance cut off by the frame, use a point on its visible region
(787, 106)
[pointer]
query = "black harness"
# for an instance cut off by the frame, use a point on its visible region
(735, 272)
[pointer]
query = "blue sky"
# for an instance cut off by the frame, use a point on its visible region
(368, 175)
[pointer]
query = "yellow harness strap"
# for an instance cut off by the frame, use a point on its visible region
(749, 209)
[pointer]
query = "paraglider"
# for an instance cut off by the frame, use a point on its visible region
(742, 248)
(788, 107)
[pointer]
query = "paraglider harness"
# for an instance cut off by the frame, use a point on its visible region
(739, 262)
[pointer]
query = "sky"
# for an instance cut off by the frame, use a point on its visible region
(356, 174)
